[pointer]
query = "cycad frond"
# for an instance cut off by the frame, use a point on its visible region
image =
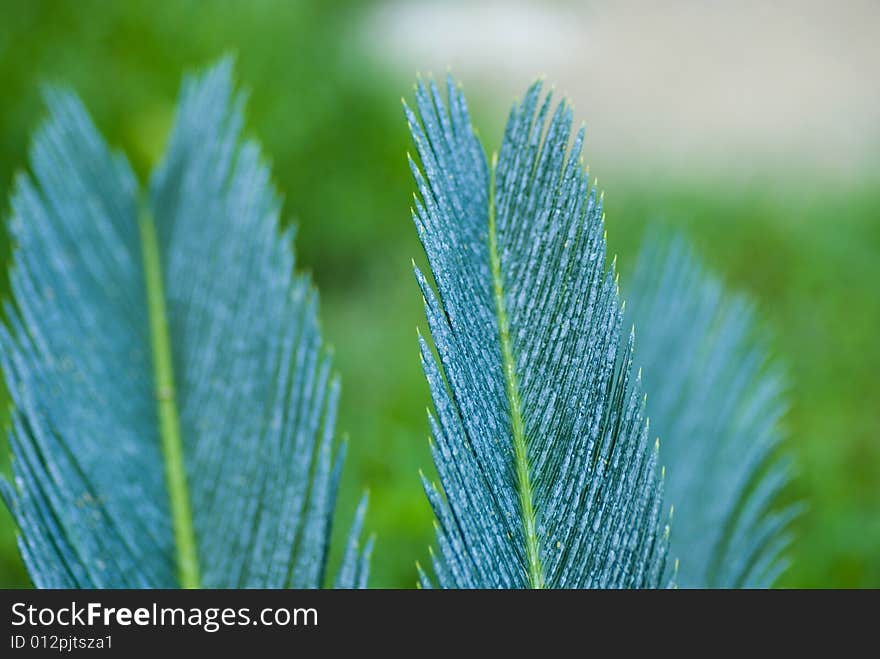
(549, 475)
(716, 401)
(174, 404)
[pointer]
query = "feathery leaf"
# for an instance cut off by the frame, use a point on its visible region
(549, 475)
(716, 400)
(174, 404)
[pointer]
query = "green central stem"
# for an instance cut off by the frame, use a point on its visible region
(520, 449)
(169, 425)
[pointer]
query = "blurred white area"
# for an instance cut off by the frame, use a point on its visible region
(731, 89)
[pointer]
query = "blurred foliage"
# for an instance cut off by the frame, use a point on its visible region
(333, 127)
(810, 256)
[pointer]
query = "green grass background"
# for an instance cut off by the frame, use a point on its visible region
(331, 124)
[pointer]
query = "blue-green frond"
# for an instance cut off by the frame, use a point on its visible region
(547, 474)
(158, 328)
(716, 399)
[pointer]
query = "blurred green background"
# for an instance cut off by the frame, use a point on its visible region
(325, 103)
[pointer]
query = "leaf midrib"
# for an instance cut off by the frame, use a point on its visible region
(166, 405)
(520, 449)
